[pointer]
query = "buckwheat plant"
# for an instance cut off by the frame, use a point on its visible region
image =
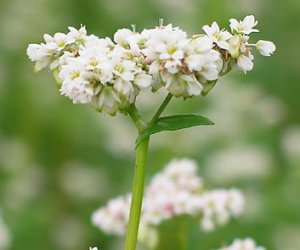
(110, 74)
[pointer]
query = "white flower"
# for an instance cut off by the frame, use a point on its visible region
(39, 54)
(211, 69)
(136, 43)
(124, 74)
(104, 45)
(107, 101)
(199, 45)
(176, 85)
(74, 81)
(154, 71)
(265, 48)
(93, 248)
(195, 62)
(166, 43)
(246, 244)
(197, 50)
(244, 62)
(59, 40)
(182, 85)
(97, 64)
(74, 68)
(143, 80)
(220, 37)
(121, 37)
(78, 90)
(47, 53)
(130, 40)
(124, 69)
(202, 58)
(245, 26)
(75, 35)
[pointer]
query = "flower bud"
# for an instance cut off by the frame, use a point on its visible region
(265, 48)
(234, 46)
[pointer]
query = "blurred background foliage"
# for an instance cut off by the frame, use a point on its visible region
(59, 162)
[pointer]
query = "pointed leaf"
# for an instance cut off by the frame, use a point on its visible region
(175, 122)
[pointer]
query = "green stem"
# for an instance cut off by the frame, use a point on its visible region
(161, 109)
(139, 174)
(137, 195)
(183, 234)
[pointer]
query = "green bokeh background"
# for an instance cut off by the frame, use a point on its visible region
(59, 162)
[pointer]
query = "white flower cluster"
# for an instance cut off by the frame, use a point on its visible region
(246, 244)
(110, 74)
(175, 191)
(91, 69)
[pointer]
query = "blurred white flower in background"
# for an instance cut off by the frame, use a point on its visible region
(120, 135)
(5, 238)
(246, 108)
(286, 237)
(175, 191)
(239, 162)
(255, 204)
(69, 232)
(93, 248)
(25, 186)
(291, 144)
(25, 179)
(112, 218)
(269, 111)
(9, 148)
(219, 206)
(248, 111)
(246, 244)
(83, 182)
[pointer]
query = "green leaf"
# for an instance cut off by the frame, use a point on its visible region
(175, 122)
